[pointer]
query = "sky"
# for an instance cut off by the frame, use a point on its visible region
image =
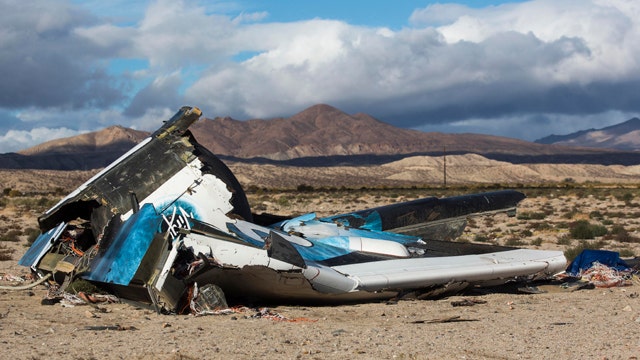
(522, 69)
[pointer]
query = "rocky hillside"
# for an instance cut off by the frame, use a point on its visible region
(82, 152)
(411, 171)
(322, 131)
(318, 136)
(421, 170)
(623, 136)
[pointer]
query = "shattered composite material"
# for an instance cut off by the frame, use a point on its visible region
(169, 214)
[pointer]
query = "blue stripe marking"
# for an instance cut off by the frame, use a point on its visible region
(122, 258)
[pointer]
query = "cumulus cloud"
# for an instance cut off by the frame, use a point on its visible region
(162, 92)
(573, 57)
(530, 126)
(44, 63)
(15, 140)
(452, 66)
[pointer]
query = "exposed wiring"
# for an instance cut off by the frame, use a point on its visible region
(28, 286)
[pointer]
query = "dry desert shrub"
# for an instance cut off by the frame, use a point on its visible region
(5, 252)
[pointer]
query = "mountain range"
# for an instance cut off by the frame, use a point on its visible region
(323, 135)
(623, 136)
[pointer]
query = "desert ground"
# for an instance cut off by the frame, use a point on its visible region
(598, 323)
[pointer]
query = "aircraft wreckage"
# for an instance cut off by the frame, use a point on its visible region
(169, 216)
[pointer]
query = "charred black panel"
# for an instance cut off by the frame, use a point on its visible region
(432, 209)
(67, 212)
(266, 219)
(141, 172)
(437, 248)
(281, 249)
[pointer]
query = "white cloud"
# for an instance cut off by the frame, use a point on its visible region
(153, 118)
(246, 17)
(162, 91)
(519, 126)
(15, 140)
(516, 62)
(536, 56)
(608, 28)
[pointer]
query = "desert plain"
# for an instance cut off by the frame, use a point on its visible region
(599, 323)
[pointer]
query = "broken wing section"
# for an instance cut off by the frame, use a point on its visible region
(480, 269)
(431, 218)
(119, 228)
(140, 172)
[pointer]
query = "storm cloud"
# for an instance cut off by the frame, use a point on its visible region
(551, 66)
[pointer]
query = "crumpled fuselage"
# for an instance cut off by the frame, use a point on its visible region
(169, 214)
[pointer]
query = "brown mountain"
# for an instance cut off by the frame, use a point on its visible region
(111, 139)
(623, 136)
(82, 152)
(320, 135)
(324, 131)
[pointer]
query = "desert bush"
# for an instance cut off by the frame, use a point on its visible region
(583, 229)
(543, 225)
(81, 285)
(536, 242)
(529, 215)
(597, 215)
(620, 234)
(626, 197)
(489, 221)
(548, 210)
(616, 214)
(305, 188)
(481, 238)
(572, 252)
(5, 252)
(564, 239)
(254, 189)
(513, 241)
(526, 233)
(283, 201)
(570, 214)
(14, 193)
(626, 253)
(11, 235)
(259, 207)
(32, 235)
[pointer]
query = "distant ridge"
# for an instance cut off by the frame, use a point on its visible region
(114, 138)
(623, 136)
(322, 131)
(82, 152)
(318, 136)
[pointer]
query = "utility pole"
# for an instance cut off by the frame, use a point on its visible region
(444, 152)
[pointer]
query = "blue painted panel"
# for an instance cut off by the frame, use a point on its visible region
(331, 239)
(246, 237)
(41, 246)
(120, 261)
(372, 221)
(325, 248)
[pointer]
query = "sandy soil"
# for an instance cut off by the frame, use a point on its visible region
(586, 324)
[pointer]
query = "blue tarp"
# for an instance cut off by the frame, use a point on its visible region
(587, 257)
